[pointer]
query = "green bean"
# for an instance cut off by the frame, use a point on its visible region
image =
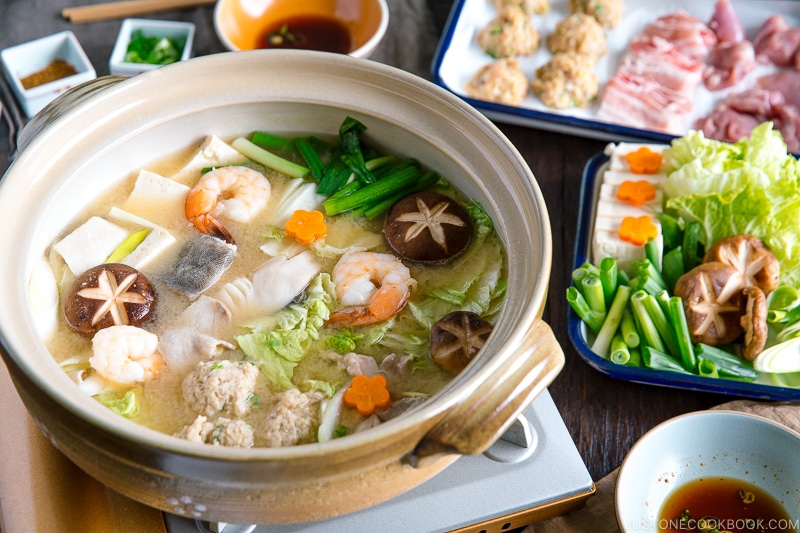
(728, 365)
(628, 328)
(611, 323)
(582, 309)
(677, 315)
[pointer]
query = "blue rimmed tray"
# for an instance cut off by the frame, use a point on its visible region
(760, 389)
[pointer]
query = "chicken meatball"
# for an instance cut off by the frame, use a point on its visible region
(581, 34)
(510, 33)
(607, 12)
(566, 81)
(501, 81)
(534, 7)
(216, 387)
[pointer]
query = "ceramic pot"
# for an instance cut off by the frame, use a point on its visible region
(102, 132)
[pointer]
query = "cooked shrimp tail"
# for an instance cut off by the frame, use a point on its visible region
(236, 192)
(374, 286)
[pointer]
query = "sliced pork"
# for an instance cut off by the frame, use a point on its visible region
(661, 61)
(689, 35)
(643, 103)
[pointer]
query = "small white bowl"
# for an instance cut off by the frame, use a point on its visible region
(241, 24)
(151, 28)
(24, 59)
(706, 444)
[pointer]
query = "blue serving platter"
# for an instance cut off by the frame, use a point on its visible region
(762, 388)
(458, 57)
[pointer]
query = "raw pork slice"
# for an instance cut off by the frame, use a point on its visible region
(643, 103)
(659, 60)
(688, 34)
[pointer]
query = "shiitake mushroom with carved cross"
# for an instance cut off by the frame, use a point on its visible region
(428, 227)
(456, 338)
(107, 295)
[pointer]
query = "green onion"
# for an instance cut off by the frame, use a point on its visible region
(691, 246)
(268, 141)
(311, 157)
(661, 323)
(620, 353)
(671, 230)
(647, 327)
(374, 192)
(268, 159)
(582, 309)
(728, 365)
(677, 317)
(672, 267)
(658, 360)
(612, 320)
(628, 328)
(707, 368)
(592, 290)
(654, 252)
(609, 278)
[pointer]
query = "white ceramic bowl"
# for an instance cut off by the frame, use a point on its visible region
(240, 24)
(82, 145)
(701, 445)
(151, 28)
(24, 59)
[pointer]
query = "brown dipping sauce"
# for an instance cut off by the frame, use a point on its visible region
(308, 32)
(728, 503)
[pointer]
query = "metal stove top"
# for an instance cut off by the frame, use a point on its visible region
(531, 474)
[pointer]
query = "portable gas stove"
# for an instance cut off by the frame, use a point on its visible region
(532, 473)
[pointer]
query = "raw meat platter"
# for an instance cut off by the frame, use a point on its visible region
(459, 57)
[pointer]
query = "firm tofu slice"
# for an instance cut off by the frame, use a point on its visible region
(213, 152)
(159, 200)
(90, 244)
(157, 241)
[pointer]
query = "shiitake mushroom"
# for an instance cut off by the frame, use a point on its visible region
(456, 338)
(751, 257)
(107, 295)
(428, 227)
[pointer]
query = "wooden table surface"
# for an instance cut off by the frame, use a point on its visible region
(604, 416)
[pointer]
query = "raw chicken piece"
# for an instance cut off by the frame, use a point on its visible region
(785, 82)
(725, 23)
(777, 43)
(729, 63)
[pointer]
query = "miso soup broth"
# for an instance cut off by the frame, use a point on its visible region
(212, 297)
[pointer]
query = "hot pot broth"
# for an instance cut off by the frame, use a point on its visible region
(288, 398)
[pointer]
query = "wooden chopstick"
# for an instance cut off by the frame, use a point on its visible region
(126, 8)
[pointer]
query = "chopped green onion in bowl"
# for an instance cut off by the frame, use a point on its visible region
(153, 50)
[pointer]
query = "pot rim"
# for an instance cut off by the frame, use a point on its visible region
(73, 126)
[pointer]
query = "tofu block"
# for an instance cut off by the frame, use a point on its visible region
(159, 200)
(213, 152)
(157, 241)
(90, 244)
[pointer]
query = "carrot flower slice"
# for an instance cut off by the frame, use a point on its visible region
(637, 230)
(367, 394)
(305, 226)
(636, 192)
(644, 161)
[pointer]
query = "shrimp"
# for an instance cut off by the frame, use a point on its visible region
(126, 354)
(374, 286)
(236, 192)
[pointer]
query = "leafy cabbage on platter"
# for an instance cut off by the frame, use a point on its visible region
(749, 187)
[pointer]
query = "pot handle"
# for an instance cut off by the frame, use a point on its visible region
(61, 105)
(473, 426)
